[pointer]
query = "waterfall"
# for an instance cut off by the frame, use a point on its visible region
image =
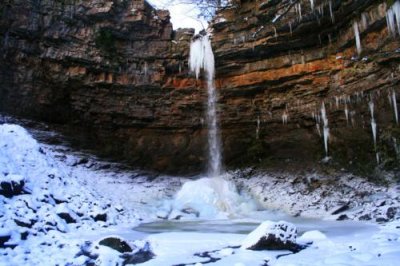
(202, 57)
(373, 127)
(326, 128)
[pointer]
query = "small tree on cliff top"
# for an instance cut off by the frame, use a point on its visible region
(207, 8)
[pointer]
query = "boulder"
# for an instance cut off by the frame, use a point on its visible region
(117, 244)
(140, 255)
(130, 254)
(11, 185)
(3, 239)
(391, 212)
(273, 236)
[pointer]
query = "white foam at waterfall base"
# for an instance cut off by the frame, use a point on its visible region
(213, 198)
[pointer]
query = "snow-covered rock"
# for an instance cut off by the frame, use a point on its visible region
(48, 202)
(272, 236)
(11, 185)
(339, 197)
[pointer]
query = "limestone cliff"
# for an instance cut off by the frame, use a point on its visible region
(280, 61)
(117, 70)
(105, 67)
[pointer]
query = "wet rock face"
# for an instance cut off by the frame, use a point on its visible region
(115, 69)
(118, 72)
(278, 61)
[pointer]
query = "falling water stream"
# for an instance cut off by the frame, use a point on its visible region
(202, 57)
(212, 196)
(326, 128)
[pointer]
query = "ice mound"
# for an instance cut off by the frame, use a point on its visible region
(214, 197)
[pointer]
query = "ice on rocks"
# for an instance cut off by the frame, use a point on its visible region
(213, 198)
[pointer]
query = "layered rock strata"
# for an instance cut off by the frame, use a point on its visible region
(105, 67)
(278, 62)
(117, 70)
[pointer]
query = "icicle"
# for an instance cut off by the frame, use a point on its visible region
(290, 27)
(326, 128)
(337, 102)
(396, 147)
(331, 11)
(321, 10)
(299, 11)
(145, 69)
(284, 118)
(196, 60)
(391, 15)
(394, 100)
(357, 37)
(258, 128)
(364, 21)
(377, 158)
(352, 114)
(312, 4)
(276, 34)
(318, 130)
(346, 113)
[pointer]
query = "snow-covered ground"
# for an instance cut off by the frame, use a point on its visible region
(341, 197)
(62, 202)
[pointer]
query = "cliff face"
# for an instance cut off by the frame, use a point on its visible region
(279, 62)
(105, 67)
(116, 70)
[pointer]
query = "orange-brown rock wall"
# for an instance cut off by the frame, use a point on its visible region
(117, 71)
(274, 64)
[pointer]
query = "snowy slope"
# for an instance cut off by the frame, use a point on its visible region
(64, 199)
